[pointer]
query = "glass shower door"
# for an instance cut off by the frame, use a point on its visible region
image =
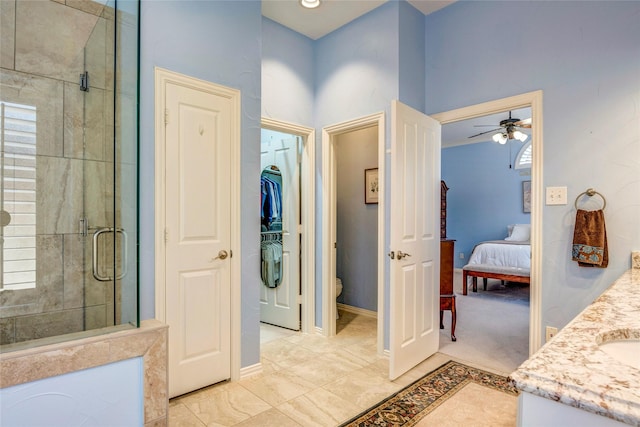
(68, 111)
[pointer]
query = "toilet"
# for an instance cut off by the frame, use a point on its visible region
(338, 292)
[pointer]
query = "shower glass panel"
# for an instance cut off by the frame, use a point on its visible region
(69, 135)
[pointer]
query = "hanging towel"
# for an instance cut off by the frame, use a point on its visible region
(590, 239)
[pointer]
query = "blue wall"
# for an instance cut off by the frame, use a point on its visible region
(585, 56)
(287, 74)
(356, 75)
(484, 195)
(411, 61)
(217, 41)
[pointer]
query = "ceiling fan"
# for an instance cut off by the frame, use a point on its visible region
(509, 129)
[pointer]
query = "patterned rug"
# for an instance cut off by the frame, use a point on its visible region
(414, 402)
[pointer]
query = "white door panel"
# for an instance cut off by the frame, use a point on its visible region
(280, 306)
(197, 217)
(415, 176)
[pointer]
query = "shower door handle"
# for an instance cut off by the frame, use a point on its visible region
(94, 253)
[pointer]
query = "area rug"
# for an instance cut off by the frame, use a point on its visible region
(414, 402)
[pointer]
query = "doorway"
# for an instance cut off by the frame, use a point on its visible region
(304, 138)
(531, 100)
(357, 189)
(330, 138)
(279, 229)
(412, 298)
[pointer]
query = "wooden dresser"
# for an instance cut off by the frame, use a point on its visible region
(447, 296)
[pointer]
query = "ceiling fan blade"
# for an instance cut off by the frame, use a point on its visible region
(482, 133)
(526, 123)
(477, 126)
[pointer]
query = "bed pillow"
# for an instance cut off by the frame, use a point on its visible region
(520, 233)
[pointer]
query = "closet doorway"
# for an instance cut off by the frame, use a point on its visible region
(287, 226)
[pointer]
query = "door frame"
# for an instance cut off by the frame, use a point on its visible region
(162, 78)
(533, 100)
(307, 215)
(329, 213)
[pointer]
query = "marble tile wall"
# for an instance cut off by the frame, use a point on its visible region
(44, 47)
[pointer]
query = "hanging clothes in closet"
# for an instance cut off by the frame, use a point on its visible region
(271, 254)
(271, 201)
(271, 226)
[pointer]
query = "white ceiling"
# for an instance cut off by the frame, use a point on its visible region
(331, 14)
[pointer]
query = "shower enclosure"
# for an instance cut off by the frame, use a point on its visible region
(69, 133)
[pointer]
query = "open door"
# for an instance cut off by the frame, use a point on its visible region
(415, 238)
(279, 298)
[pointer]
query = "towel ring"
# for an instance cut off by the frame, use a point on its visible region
(591, 192)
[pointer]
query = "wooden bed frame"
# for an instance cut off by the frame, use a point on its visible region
(491, 272)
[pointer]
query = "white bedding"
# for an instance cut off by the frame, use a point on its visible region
(502, 253)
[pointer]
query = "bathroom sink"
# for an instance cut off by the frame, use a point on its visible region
(624, 351)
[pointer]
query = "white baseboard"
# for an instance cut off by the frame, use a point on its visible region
(357, 310)
(250, 371)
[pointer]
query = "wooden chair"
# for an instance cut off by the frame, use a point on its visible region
(447, 296)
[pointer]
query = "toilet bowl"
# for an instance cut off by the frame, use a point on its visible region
(338, 292)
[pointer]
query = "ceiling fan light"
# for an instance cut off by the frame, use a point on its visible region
(500, 138)
(520, 136)
(310, 4)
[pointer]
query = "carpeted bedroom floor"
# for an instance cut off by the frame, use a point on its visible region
(492, 326)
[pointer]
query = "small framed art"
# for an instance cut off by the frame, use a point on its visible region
(526, 196)
(371, 186)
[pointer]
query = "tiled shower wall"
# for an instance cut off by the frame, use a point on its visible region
(45, 46)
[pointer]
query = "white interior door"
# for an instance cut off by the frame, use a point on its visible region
(280, 306)
(198, 237)
(415, 238)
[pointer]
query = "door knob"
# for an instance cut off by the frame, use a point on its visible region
(221, 255)
(402, 255)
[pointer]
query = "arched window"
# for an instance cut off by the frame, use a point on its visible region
(523, 159)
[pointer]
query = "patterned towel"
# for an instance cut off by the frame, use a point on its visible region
(590, 239)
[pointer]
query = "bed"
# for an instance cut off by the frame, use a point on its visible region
(506, 260)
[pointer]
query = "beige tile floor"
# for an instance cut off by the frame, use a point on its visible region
(309, 380)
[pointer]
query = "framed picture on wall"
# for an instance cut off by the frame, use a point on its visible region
(371, 186)
(526, 196)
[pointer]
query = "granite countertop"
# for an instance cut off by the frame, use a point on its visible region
(572, 369)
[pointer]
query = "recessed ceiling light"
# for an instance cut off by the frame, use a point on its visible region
(310, 4)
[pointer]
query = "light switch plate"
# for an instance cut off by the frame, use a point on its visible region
(556, 196)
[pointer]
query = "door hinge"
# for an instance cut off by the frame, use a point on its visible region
(299, 299)
(166, 234)
(84, 81)
(166, 116)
